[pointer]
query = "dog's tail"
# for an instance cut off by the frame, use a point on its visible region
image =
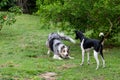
(64, 37)
(102, 38)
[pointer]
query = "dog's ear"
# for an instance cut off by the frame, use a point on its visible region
(62, 47)
(68, 47)
(75, 31)
(82, 30)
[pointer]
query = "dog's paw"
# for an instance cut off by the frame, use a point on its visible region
(88, 63)
(60, 59)
(81, 64)
(57, 57)
(72, 58)
(103, 66)
(97, 68)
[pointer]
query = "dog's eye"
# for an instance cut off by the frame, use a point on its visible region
(68, 51)
(63, 50)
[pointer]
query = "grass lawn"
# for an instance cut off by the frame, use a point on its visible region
(23, 56)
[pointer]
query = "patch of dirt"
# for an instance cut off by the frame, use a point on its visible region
(99, 78)
(66, 66)
(9, 64)
(36, 56)
(49, 76)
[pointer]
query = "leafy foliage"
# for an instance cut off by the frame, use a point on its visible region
(96, 15)
(6, 4)
(3, 3)
(8, 18)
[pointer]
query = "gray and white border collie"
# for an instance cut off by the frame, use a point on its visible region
(55, 45)
(88, 44)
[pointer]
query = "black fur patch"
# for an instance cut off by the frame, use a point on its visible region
(89, 43)
(51, 43)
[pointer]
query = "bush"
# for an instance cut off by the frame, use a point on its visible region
(8, 17)
(96, 15)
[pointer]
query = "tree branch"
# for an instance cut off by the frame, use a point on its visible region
(110, 29)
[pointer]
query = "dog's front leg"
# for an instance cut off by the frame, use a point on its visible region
(83, 52)
(70, 57)
(57, 57)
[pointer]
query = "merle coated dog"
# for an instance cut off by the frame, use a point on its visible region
(54, 44)
(88, 44)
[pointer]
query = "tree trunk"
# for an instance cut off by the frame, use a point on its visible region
(23, 5)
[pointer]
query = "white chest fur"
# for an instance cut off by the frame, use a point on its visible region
(88, 49)
(81, 45)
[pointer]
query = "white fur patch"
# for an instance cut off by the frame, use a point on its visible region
(82, 45)
(61, 34)
(88, 49)
(101, 34)
(73, 41)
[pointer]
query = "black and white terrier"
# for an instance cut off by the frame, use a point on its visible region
(88, 44)
(55, 45)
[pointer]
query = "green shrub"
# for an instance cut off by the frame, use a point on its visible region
(8, 17)
(96, 15)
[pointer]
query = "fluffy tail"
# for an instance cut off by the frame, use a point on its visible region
(64, 37)
(102, 38)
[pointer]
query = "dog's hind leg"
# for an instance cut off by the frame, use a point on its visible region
(96, 58)
(102, 57)
(103, 61)
(88, 57)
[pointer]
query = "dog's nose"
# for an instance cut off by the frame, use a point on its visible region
(67, 55)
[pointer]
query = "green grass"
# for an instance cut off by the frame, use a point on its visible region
(23, 55)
